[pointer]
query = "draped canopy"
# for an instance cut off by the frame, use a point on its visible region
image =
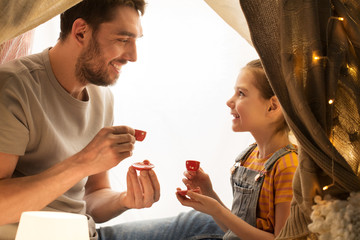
(20, 16)
(310, 52)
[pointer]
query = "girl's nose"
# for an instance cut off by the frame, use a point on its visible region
(230, 103)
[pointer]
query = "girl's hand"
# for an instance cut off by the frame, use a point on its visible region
(200, 202)
(195, 179)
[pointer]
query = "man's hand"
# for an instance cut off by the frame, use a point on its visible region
(108, 148)
(142, 190)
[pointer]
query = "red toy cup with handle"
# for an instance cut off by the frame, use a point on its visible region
(192, 165)
(140, 135)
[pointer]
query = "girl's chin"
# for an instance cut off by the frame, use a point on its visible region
(235, 129)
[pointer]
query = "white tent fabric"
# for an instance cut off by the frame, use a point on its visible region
(18, 17)
(231, 12)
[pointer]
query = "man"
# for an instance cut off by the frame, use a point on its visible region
(57, 141)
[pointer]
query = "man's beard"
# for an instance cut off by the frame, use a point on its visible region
(90, 66)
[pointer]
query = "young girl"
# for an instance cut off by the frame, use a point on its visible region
(262, 175)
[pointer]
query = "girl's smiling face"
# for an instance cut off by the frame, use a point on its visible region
(247, 105)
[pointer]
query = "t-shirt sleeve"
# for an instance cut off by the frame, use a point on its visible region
(13, 127)
(284, 172)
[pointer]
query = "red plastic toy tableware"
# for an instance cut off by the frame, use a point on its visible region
(184, 192)
(145, 165)
(192, 165)
(140, 135)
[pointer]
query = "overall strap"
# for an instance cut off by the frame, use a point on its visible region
(246, 153)
(278, 154)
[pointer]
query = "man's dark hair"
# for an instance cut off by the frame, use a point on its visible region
(95, 12)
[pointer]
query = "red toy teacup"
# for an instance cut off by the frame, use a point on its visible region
(192, 165)
(184, 192)
(140, 135)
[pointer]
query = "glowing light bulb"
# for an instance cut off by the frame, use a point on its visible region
(331, 101)
(316, 57)
(327, 187)
(337, 18)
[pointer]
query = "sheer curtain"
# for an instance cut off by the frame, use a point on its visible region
(16, 47)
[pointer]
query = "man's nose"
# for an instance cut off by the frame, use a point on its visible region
(131, 52)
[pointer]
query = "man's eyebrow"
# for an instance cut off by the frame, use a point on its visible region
(129, 34)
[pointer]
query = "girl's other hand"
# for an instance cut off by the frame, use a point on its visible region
(195, 179)
(200, 202)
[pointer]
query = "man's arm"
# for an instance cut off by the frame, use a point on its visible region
(33, 192)
(109, 147)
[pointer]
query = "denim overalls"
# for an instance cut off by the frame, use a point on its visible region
(246, 184)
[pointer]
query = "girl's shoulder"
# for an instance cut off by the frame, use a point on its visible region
(287, 162)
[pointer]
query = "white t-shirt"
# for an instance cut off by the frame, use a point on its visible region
(43, 124)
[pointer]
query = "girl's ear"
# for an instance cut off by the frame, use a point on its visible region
(274, 104)
(79, 31)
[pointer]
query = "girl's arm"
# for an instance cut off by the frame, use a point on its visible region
(227, 220)
(204, 205)
(199, 178)
(282, 212)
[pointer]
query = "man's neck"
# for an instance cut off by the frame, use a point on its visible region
(63, 60)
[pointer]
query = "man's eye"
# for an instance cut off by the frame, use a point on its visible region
(123, 40)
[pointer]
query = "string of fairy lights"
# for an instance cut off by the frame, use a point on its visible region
(330, 101)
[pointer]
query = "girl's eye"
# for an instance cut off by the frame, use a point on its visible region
(241, 93)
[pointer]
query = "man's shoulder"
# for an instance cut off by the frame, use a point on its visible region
(21, 70)
(29, 62)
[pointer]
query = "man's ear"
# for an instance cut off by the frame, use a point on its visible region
(79, 31)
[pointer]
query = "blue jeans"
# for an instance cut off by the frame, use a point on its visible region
(186, 226)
